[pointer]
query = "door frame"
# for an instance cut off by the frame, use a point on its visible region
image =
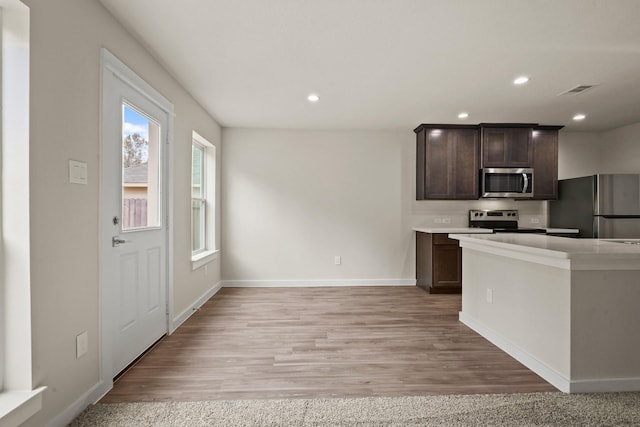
(110, 64)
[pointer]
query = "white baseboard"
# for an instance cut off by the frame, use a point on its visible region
(549, 374)
(65, 417)
(182, 317)
(562, 383)
(315, 283)
(605, 385)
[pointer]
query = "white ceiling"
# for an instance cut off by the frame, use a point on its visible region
(393, 64)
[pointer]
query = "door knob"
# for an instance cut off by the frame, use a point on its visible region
(117, 241)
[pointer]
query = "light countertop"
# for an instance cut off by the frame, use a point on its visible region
(457, 230)
(578, 252)
(563, 230)
(469, 230)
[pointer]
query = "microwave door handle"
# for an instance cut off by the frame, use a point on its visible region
(526, 183)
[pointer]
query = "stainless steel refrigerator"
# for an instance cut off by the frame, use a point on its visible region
(605, 206)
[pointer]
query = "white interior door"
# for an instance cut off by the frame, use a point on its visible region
(133, 221)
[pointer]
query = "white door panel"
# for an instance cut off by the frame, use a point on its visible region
(128, 296)
(154, 282)
(135, 135)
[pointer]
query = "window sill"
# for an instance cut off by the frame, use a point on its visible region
(18, 406)
(203, 258)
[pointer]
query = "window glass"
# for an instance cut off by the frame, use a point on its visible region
(197, 171)
(198, 199)
(141, 199)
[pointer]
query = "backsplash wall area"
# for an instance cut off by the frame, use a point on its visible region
(454, 213)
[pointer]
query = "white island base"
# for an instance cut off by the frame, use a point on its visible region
(568, 309)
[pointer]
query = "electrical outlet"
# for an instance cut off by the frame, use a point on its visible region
(535, 221)
(82, 344)
(490, 296)
(446, 220)
(337, 260)
(438, 220)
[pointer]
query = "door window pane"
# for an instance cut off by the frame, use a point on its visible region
(141, 196)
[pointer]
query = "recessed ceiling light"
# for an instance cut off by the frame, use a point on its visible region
(313, 98)
(463, 115)
(521, 80)
(579, 117)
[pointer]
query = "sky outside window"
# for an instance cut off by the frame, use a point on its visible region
(133, 123)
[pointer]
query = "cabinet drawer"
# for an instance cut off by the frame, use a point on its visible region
(442, 239)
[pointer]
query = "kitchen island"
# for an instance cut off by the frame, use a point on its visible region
(568, 309)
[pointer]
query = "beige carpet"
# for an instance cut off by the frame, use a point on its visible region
(533, 409)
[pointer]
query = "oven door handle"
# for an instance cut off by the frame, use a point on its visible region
(526, 183)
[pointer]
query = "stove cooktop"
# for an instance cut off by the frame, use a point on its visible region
(500, 221)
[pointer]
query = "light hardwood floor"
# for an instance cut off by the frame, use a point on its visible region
(248, 343)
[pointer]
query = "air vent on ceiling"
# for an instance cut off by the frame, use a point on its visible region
(578, 89)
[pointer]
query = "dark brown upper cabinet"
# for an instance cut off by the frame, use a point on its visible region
(447, 162)
(506, 145)
(449, 157)
(545, 162)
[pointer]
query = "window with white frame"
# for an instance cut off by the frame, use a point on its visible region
(203, 196)
(198, 199)
(18, 399)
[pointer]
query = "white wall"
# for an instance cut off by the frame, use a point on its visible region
(295, 199)
(66, 37)
(621, 150)
(579, 154)
(587, 153)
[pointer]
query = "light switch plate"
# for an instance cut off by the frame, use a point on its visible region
(82, 344)
(77, 172)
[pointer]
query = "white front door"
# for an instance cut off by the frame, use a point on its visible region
(135, 132)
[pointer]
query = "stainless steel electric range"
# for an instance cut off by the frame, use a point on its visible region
(500, 221)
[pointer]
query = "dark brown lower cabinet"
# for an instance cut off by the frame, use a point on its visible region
(438, 263)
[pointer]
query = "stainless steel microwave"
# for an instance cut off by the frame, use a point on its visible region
(514, 183)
